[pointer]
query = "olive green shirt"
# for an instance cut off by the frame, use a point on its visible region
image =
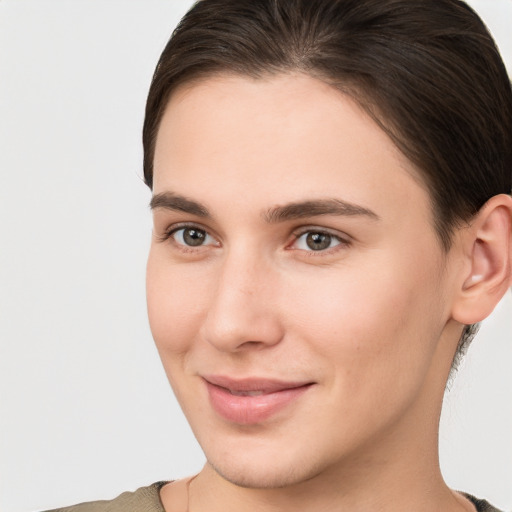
(147, 499)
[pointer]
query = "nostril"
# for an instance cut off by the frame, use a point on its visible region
(252, 344)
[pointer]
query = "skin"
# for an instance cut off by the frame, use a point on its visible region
(373, 320)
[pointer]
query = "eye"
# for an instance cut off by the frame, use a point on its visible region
(191, 237)
(317, 241)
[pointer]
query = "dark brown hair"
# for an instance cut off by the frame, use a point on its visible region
(427, 71)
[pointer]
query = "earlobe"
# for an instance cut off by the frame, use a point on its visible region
(489, 253)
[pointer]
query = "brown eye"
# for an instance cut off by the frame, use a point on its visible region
(192, 237)
(316, 241)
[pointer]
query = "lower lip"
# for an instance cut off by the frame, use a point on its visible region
(249, 410)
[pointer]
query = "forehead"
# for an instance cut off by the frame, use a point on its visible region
(283, 138)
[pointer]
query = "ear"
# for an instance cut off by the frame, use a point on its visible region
(487, 272)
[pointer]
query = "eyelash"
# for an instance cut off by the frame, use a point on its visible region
(171, 231)
(342, 242)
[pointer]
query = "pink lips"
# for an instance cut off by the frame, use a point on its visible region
(251, 401)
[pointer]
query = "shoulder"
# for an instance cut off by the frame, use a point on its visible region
(144, 499)
(480, 505)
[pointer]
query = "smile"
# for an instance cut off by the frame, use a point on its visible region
(246, 393)
(251, 401)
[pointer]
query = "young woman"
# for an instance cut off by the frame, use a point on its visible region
(331, 188)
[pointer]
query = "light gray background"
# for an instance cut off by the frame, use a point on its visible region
(85, 409)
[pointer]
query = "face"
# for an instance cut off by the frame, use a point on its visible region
(296, 287)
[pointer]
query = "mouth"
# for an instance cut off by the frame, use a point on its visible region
(246, 393)
(254, 400)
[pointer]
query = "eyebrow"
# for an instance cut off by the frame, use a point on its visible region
(276, 214)
(300, 210)
(172, 201)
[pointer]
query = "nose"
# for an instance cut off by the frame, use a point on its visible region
(243, 312)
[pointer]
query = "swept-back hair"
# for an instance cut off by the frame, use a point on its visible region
(428, 72)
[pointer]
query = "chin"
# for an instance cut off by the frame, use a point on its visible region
(260, 478)
(276, 472)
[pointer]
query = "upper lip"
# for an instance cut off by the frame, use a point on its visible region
(264, 385)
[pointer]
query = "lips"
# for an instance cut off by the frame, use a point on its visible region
(252, 401)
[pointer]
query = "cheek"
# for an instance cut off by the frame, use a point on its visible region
(373, 321)
(175, 301)
(371, 336)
